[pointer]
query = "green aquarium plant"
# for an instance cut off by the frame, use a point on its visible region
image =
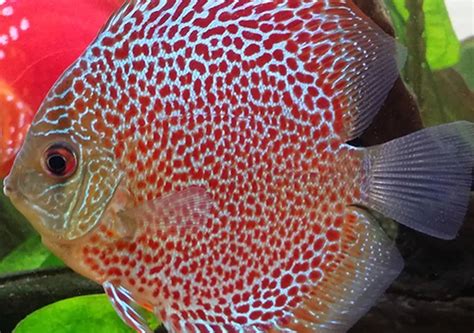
(92, 313)
(433, 70)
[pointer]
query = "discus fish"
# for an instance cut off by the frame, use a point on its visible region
(194, 161)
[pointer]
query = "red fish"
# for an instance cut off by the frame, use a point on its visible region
(15, 118)
(38, 40)
(194, 161)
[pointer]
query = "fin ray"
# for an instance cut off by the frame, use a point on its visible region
(126, 307)
(186, 208)
(377, 59)
(368, 267)
(423, 180)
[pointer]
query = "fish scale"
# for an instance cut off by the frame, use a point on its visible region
(216, 119)
(215, 185)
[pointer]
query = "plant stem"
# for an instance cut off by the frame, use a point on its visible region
(416, 48)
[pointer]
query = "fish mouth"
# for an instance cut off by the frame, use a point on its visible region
(33, 213)
(16, 197)
(40, 218)
(8, 189)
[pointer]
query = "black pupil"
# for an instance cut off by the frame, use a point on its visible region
(57, 164)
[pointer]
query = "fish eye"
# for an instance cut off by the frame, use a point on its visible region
(59, 160)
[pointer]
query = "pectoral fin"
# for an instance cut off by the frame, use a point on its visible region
(126, 307)
(186, 208)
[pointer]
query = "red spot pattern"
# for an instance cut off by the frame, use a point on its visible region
(239, 98)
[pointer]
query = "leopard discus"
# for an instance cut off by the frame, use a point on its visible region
(194, 161)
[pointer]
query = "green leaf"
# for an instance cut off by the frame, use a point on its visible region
(92, 313)
(442, 44)
(450, 95)
(52, 261)
(14, 228)
(466, 65)
(425, 28)
(28, 256)
(399, 7)
(399, 15)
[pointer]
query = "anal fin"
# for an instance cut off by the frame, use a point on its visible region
(368, 264)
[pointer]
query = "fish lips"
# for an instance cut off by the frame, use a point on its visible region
(54, 223)
(39, 218)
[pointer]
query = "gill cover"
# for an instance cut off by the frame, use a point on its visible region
(63, 208)
(100, 179)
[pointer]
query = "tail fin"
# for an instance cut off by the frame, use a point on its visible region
(423, 180)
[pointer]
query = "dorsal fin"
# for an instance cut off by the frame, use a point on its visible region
(373, 62)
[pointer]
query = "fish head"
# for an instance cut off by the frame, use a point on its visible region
(64, 176)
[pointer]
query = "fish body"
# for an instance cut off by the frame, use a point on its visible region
(194, 161)
(39, 40)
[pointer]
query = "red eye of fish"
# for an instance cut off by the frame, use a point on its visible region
(60, 161)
